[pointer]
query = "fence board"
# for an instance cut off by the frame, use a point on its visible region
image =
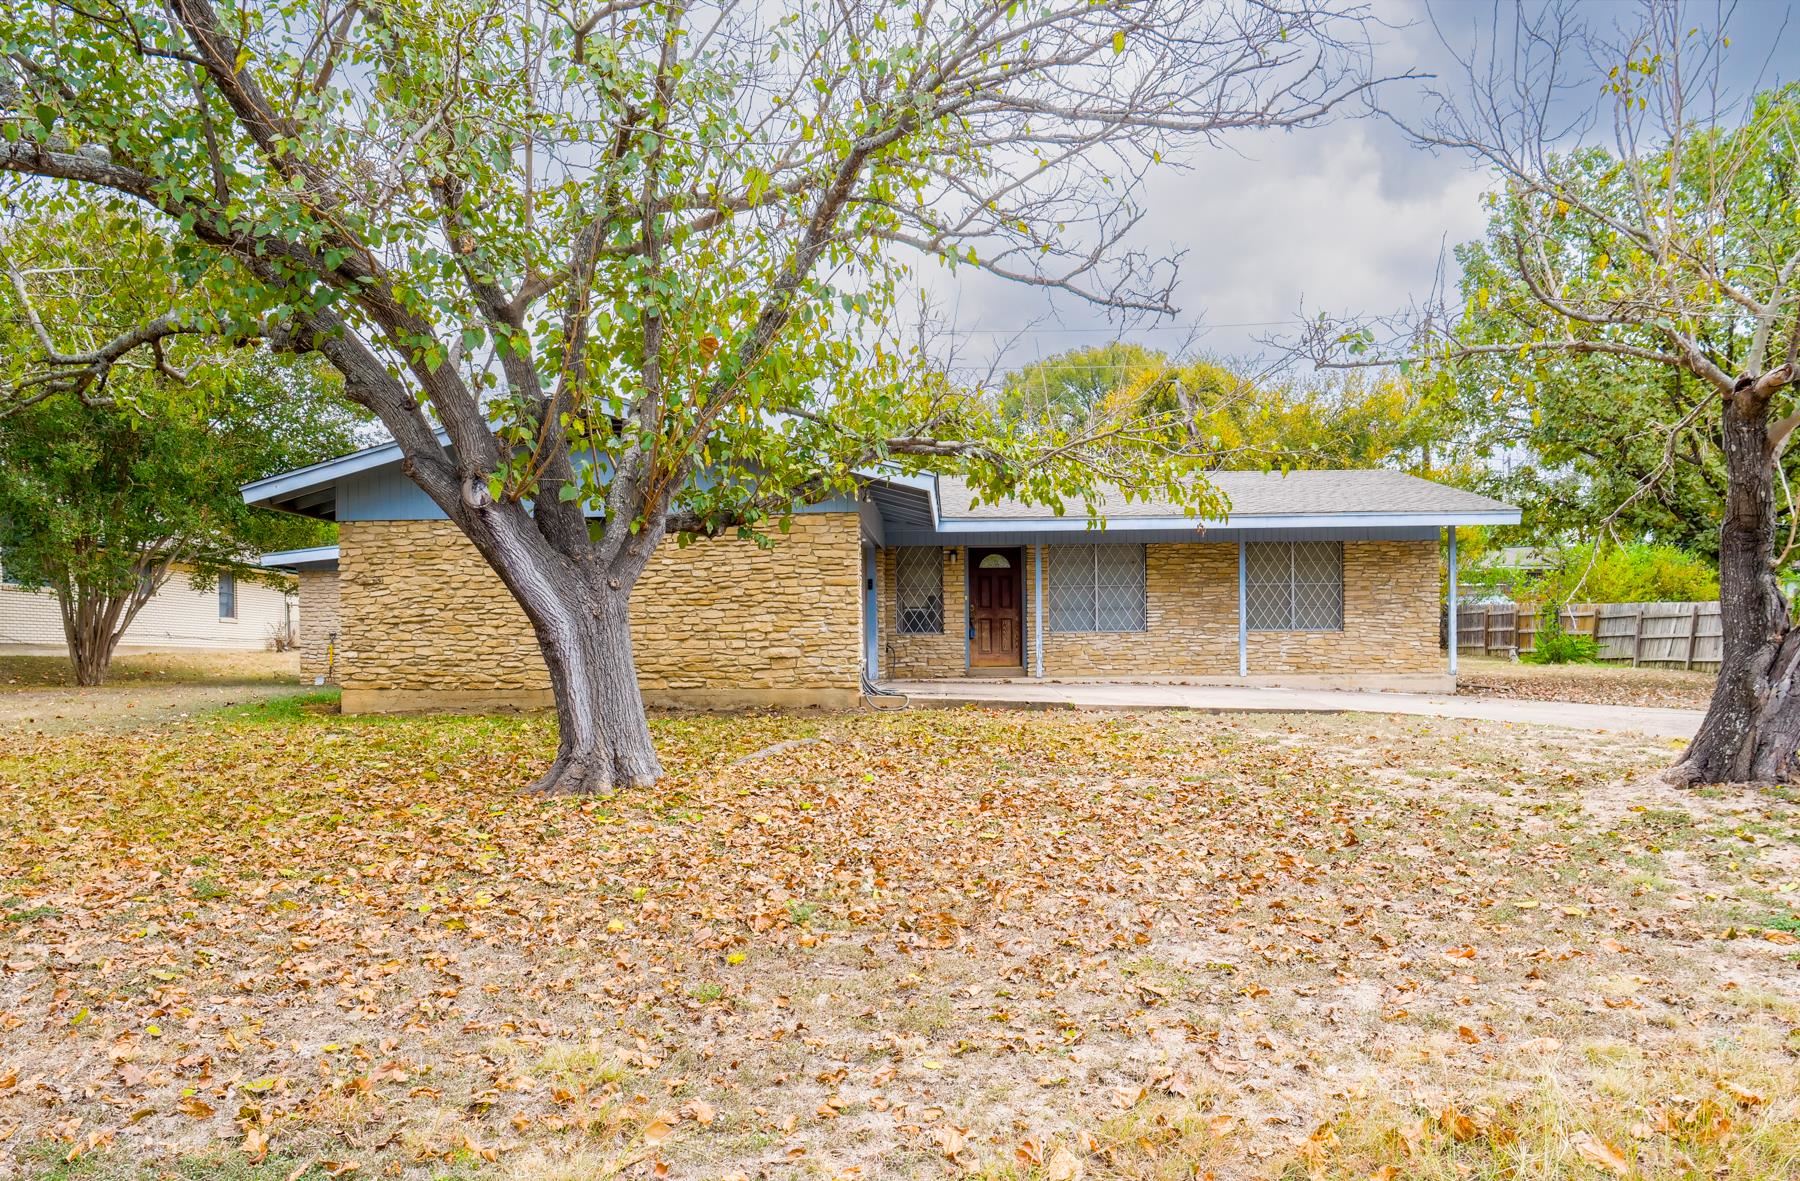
(1676, 635)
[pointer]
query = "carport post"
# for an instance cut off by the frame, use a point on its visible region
(1037, 610)
(1452, 625)
(1243, 617)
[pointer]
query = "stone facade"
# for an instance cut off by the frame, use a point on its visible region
(910, 657)
(318, 624)
(427, 624)
(1391, 609)
(1191, 593)
(1391, 606)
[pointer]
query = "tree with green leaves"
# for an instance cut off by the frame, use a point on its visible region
(1589, 446)
(1234, 421)
(1663, 268)
(608, 245)
(109, 489)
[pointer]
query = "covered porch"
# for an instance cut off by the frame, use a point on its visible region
(1340, 592)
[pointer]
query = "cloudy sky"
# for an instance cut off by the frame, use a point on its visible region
(1347, 218)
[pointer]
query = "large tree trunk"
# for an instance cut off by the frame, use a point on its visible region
(579, 608)
(1752, 728)
(91, 654)
(603, 736)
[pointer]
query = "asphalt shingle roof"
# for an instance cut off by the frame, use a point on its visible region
(1255, 494)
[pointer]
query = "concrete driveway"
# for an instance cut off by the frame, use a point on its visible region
(1635, 719)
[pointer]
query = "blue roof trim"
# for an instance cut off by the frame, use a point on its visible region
(317, 557)
(977, 526)
(289, 489)
(327, 472)
(287, 557)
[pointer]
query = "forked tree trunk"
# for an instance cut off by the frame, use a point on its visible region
(91, 654)
(92, 626)
(579, 610)
(1752, 727)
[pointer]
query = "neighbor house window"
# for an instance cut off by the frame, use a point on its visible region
(1295, 585)
(227, 596)
(919, 589)
(1097, 588)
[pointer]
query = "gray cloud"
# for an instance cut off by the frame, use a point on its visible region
(1347, 218)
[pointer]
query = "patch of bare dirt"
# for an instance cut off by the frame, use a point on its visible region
(1596, 684)
(51, 670)
(122, 707)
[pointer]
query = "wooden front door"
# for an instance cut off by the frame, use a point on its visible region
(995, 609)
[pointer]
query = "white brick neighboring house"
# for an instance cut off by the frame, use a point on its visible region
(229, 615)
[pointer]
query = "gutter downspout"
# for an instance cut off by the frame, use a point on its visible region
(1452, 627)
(961, 558)
(1243, 615)
(1037, 611)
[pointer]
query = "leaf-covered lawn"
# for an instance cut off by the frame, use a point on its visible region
(1016, 944)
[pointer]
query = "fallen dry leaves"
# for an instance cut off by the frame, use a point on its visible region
(1071, 945)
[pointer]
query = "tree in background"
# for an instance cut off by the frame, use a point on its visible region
(1638, 572)
(605, 245)
(1353, 421)
(1587, 446)
(110, 488)
(1660, 275)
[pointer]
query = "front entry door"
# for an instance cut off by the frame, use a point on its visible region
(995, 614)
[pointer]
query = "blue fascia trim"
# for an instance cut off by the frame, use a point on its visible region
(318, 475)
(291, 557)
(328, 472)
(964, 526)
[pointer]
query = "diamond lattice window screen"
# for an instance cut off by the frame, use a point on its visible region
(919, 589)
(1268, 569)
(1318, 586)
(1119, 603)
(1097, 588)
(1071, 595)
(1294, 586)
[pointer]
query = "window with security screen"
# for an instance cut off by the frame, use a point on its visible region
(919, 589)
(1294, 586)
(1096, 588)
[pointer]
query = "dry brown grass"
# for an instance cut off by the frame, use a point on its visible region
(1601, 684)
(185, 667)
(1010, 944)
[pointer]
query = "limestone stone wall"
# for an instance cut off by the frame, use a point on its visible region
(719, 622)
(1390, 621)
(1191, 590)
(1391, 606)
(318, 622)
(912, 656)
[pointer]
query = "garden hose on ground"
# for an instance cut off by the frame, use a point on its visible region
(871, 693)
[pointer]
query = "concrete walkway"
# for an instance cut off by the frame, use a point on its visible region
(1654, 721)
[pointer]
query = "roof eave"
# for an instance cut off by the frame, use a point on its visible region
(1246, 523)
(314, 557)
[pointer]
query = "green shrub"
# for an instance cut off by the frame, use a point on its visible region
(1553, 645)
(1637, 573)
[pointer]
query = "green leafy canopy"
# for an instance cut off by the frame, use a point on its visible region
(121, 481)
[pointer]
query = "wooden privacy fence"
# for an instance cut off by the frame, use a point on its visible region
(1677, 635)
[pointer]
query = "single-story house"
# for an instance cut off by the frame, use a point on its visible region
(1318, 577)
(226, 614)
(316, 584)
